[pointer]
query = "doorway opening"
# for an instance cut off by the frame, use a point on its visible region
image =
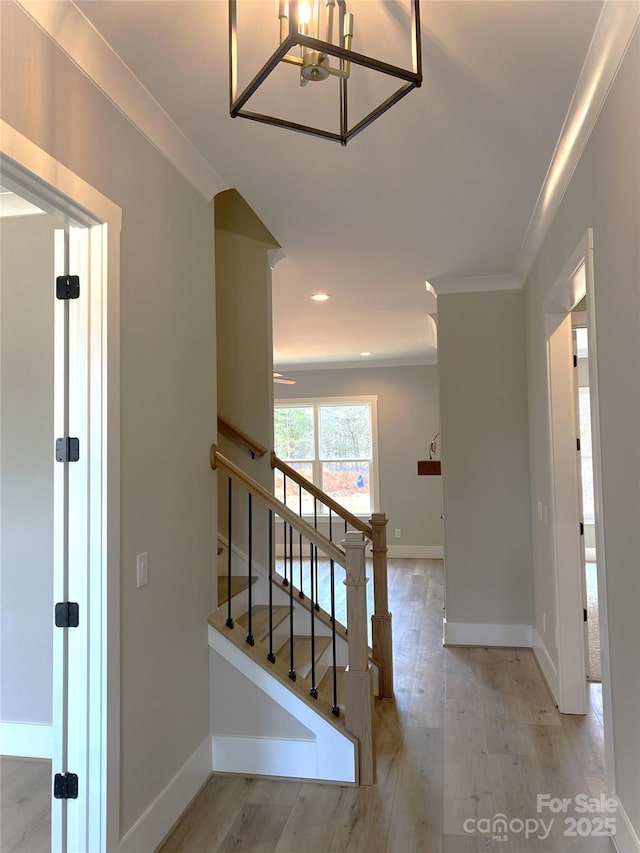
(81, 459)
(575, 285)
(583, 412)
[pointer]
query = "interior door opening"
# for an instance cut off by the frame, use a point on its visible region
(572, 299)
(583, 409)
(79, 476)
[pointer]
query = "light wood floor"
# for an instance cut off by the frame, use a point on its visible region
(25, 805)
(471, 733)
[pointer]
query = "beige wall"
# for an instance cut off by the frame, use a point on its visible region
(244, 361)
(483, 404)
(408, 418)
(604, 194)
(168, 401)
(244, 337)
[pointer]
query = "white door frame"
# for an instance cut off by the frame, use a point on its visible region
(90, 822)
(575, 281)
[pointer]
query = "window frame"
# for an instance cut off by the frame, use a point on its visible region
(316, 403)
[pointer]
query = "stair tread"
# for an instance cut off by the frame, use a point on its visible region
(238, 584)
(260, 619)
(325, 688)
(305, 602)
(302, 652)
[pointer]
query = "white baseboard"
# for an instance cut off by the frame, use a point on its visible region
(546, 664)
(152, 826)
(418, 552)
(26, 740)
(256, 756)
(626, 838)
(482, 634)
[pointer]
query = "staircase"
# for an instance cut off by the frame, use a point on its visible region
(292, 688)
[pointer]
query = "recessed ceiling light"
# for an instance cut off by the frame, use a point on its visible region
(365, 354)
(320, 297)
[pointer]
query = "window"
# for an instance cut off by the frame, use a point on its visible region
(333, 444)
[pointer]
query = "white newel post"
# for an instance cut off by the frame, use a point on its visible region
(358, 682)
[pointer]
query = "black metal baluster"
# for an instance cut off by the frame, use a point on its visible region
(271, 657)
(314, 688)
(331, 540)
(313, 567)
(284, 528)
(229, 622)
(291, 555)
(250, 639)
(301, 589)
(292, 671)
(335, 710)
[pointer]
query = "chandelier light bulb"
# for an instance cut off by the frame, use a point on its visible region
(304, 13)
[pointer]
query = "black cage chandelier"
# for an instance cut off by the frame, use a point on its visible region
(301, 24)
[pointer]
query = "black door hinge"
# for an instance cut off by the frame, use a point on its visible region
(582, 528)
(575, 360)
(67, 449)
(584, 613)
(67, 287)
(67, 614)
(65, 786)
(578, 443)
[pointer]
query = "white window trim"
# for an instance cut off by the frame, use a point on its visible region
(316, 403)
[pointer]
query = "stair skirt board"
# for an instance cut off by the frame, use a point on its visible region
(255, 756)
(318, 750)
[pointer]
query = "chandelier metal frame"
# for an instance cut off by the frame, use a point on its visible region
(412, 78)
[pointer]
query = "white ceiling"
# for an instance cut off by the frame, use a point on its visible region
(442, 187)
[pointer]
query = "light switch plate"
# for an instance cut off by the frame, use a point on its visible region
(142, 569)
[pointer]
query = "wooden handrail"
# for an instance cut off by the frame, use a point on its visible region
(330, 549)
(347, 516)
(375, 532)
(240, 437)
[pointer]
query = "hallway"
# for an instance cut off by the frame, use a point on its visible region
(471, 733)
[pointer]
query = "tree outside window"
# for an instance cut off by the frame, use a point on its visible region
(331, 444)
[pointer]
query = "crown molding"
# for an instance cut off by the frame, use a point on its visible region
(428, 359)
(476, 284)
(65, 24)
(612, 35)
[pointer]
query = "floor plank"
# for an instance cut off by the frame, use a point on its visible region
(258, 827)
(311, 824)
(209, 819)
